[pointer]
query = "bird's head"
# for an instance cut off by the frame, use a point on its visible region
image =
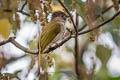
(59, 16)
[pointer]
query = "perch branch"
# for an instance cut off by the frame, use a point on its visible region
(12, 40)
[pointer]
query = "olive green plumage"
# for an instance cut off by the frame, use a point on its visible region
(50, 31)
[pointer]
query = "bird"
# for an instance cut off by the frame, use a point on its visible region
(51, 33)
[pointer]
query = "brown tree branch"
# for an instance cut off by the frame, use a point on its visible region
(58, 45)
(6, 41)
(22, 47)
(12, 40)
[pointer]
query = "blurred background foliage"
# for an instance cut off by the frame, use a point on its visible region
(98, 60)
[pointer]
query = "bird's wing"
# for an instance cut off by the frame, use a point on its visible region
(50, 31)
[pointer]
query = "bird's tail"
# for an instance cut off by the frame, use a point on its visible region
(39, 56)
(39, 60)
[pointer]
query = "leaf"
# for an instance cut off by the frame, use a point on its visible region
(8, 9)
(116, 37)
(31, 6)
(80, 8)
(116, 4)
(116, 23)
(103, 54)
(13, 5)
(113, 27)
(78, 5)
(68, 4)
(69, 73)
(5, 28)
(99, 11)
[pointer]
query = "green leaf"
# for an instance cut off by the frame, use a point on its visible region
(99, 11)
(102, 74)
(68, 4)
(103, 54)
(80, 8)
(116, 23)
(116, 37)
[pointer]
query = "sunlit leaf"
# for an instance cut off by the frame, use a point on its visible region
(56, 8)
(5, 28)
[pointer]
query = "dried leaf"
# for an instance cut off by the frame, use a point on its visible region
(8, 9)
(31, 5)
(49, 61)
(91, 14)
(116, 4)
(5, 28)
(16, 22)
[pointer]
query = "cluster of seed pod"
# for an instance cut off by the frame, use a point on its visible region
(49, 60)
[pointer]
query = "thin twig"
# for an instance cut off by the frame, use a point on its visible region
(24, 13)
(68, 14)
(21, 10)
(104, 11)
(83, 27)
(76, 49)
(23, 6)
(101, 24)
